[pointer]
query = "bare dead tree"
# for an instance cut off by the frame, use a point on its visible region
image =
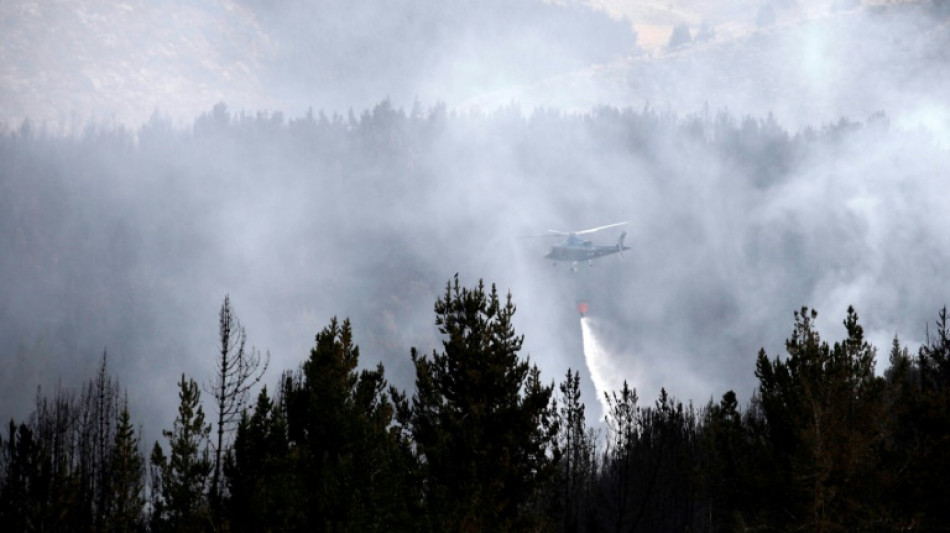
(237, 371)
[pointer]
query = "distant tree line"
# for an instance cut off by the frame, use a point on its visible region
(483, 444)
(107, 218)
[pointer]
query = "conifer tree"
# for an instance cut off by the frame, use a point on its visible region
(236, 372)
(264, 487)
(934, 357)
(667, 455)
(822, 406)
(647, 479)
(576, 449)
(180, 480)
(904, 441)
(918, 393)
(25, 484)
(480, 419)
(57, 467)
(725, 465)
(126, 482)
(618, 505)
(353, 465)
(98, 413)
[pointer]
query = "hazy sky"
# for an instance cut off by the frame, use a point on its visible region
(718, 263)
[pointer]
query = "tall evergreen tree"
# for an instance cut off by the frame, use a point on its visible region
(823, 405)
(98, 413)
(480, 419)
(353, 465)
(25, 480)
(575, 446)
(904, 453)
(263, 482)
(180, 480)
(726, 467)
(934, 356)
(918, 393)
(617, 510)
(126, 482)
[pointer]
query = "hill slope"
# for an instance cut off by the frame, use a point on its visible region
(805, 71)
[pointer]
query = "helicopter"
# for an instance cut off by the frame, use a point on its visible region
(575, 249)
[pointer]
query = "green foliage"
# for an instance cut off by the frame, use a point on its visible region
(480, 420)
(261, 475)
(822, 406)
(180, 480)
(918, 432)
(325, 458)
(824, 445)
(340, 420)
(126, 482)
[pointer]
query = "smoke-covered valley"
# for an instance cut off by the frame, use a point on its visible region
(132, 201)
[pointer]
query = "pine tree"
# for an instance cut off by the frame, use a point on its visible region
(236, 372)
(126, 489)
(822, 406)
(647, 480)
(934, 357)
(903, 450)
(480, 419)
(576, 448)
(918, 393)
(265, 490)
(180, 480)
(725, 465)
(61, 496)
(25, 487)
(617, 502)
(354, 465)
(98, 410)
(59, 464)
(667, 455)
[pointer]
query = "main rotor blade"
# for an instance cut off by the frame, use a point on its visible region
(543, 235)
(592, 230)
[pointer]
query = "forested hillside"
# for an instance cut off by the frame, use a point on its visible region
(63, 63)
(125, 241)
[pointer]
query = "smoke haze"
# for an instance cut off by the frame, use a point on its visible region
(326, 159)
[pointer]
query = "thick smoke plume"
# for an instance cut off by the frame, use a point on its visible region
(801, 162)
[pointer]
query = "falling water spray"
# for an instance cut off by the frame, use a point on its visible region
(597, 362)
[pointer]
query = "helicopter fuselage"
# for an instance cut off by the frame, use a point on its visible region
(576, 249)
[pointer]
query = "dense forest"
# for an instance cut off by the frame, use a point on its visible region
(110, 237)
(483, 444)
